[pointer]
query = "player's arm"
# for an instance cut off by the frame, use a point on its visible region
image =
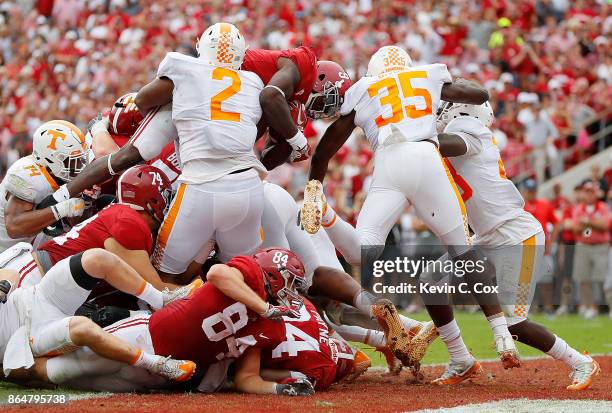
(95, 173)
(249, 380)
(273, 98)
(156, 93)
(464, 91)
(276, 111)
(333, 139)
(451, 145)
(230, 282)
(138, 260)
(22, 220)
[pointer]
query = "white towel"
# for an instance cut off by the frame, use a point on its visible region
(18, 352)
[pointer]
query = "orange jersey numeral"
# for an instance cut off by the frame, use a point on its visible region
(216, 112)
(393, 99)
(466, 189)
(33, 170)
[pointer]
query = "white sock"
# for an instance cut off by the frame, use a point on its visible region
(562, 351)
(450, 334)
(499, 325)
(145, 360)
(363, 302)
(151, 296)
(376, 339)
(409, 322)
(345, 238)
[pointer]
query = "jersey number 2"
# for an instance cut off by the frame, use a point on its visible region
(392, 98)
(216, 112)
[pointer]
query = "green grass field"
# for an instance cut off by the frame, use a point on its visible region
(594, 336)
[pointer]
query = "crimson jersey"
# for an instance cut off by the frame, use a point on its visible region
(116, 221)
(168, 161)
(209, 326)
(304, 348)
(264, 63)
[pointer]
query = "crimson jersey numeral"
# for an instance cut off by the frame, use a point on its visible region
(235, 346)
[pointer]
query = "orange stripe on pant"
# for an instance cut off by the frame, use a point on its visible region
(168, 224)
(524, 283)
(459, 199)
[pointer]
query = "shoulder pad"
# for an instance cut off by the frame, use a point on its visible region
(469, 125)
(20, 186)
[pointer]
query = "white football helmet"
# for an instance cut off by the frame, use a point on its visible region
(449, 111)
(61, 147)
(388, 59)
(223, 45)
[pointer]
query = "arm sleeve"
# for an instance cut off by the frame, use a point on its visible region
(473, 133)
(168, 67)
(21, 187)
(251, 272)
(303, 57)
(351, 98)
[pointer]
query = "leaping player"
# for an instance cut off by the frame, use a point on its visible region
(395, 105)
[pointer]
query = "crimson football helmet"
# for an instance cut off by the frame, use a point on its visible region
(124, 116)
(328, 91)
(145, 188)
(284, 274)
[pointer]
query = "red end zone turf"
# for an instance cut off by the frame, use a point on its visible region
(374, 392)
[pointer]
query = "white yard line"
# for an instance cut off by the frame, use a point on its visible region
(527, 405)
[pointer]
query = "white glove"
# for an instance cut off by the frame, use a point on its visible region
(298, 142)
(98, 124)
(61, 194)
(73, 207)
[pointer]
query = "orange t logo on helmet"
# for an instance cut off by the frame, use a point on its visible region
(55, 134)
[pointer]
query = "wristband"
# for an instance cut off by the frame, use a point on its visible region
(62, 194)
(298, 141)
(55, 212)
(111, 171)
(277, 88)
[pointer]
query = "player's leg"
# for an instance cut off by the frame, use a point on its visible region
(518, 274)
(342, 234)
(237, 211)
(55, 330)
(187, 228)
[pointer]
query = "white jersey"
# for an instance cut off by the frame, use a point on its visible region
(215, 111)
(29, 182)
(402, 103)
(491, 199)
(280, 228)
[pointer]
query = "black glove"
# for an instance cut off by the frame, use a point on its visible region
(5, 288)
(47, 202)
(294, 387)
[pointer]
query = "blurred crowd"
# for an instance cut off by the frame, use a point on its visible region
(546, 63)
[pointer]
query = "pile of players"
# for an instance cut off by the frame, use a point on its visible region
(167, 259)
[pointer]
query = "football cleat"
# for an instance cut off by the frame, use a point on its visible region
(175, 370)
(421, 338)
(312, 208)
(507, 352)
(396, 335)
(393, 363)
(361, 363)
(179, 293)
(583, 374)
(458, 371)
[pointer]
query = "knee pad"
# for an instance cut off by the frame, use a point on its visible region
(84, 280)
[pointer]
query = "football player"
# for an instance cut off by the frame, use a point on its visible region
(325, 277)
(59, 153)
(125, 229)
(293, 78)
(223, 318)
(511, 238)
(307, 349)
(395, 105)
(40, 321)
(111, 131)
